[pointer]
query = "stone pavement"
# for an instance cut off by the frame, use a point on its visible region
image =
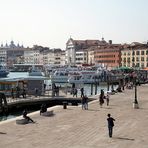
(77, 128)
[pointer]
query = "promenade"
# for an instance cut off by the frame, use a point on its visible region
(77, 128)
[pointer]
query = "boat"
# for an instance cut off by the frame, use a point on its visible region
(59, 77)
(62, 74)
(84, 78)
(3, 72)
(78, 75)
(89, 76)
(35, 72)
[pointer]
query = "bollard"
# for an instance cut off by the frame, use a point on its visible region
(64, 105)
(91, 89)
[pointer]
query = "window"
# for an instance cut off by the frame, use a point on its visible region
(128, 60)
(133, 59)
(124, 60)
(142, 52)
(133, 53)
(137, 53)
(128, 53)
(137, 58)
(142, 65)
(133, 65)
(137, 65)
(142, 58)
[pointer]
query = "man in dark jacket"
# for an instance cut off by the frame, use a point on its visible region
(110, 124)
(27, 117)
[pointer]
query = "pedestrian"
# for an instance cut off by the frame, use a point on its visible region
(110, 125)
(75, 92)
(27, 117)
(86, 102)
(24, 93)
(83, 102)
(101, 98)
(82, 92)
(36, 92)
(17, 91)
(43, 108)
(107, 99)
(12, 93)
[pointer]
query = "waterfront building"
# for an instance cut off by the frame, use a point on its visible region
(54, 56)
(108, 55)
(81, 57)
(11, 54)
(91, 55)
(135, 55)
(32, 57)
(3, 57)
(74, 46)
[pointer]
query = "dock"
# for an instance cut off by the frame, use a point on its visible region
(31, 100)
(77, 128)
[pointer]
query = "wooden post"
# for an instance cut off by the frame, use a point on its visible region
(108, 83)
(91, 89)
(95, 88)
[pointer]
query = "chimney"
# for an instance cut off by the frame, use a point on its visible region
(110, 41)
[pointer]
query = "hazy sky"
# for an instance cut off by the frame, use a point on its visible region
(51, 22)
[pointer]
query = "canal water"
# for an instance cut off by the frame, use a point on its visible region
(87, 91)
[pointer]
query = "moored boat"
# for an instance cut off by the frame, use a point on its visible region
(3, 72)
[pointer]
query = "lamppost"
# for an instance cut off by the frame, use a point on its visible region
(135, 103)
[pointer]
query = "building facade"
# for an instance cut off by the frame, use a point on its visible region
(135, 55)
(11, 54)
(76, 50)
(108, 55)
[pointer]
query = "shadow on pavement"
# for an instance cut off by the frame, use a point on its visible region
(124, 138)
(93, 110)
(2, 133)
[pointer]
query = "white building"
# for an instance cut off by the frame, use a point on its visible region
(3, 57)
(32, 57)
(54, 57)
(70, 55)
(11, 54)
(76, 50)
(81, 57)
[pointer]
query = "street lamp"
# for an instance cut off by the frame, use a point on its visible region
(135, 103)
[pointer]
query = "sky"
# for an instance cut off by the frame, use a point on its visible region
(51, 23)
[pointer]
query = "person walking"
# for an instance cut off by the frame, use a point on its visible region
(12, 93)
(86, 102)
(107, 99)
(83, 102)
(75, 92)
(101, 98)
(110, 125)
(82, 92)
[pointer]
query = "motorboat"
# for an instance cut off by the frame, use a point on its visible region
(77, 75)
(85, 77)
(89, 76)
(59, 77)
(3, 72)
(35, 72)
